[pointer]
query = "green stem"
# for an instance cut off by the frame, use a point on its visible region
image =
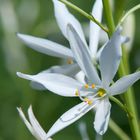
(82, 12)
(116, 129)
(109, 17)
(123, 70)
(128, 13)
(122, 106)
(129, 98)
(118, 9)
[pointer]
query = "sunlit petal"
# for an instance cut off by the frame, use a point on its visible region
(46, 46)
(27, 123)
(25, 120)
(94, 28)
(69, 70)
(57, 83)
(102, 116)
(35, 124)
(82, 56)
(80, 77)
(110, 58)
(124, 83)
(63, 17)
(70, 117)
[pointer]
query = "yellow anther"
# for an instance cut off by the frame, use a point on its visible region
(69, 61)
(93, 85)
(76, 92)
(88, 101)
(101, 92)
(86, 86)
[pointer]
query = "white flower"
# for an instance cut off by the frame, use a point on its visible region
(96, 91)
(63, 17)
(33, 125)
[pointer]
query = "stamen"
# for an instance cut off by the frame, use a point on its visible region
(77, 92)
(93, 85)
(86, 86)
(88, 101)
(69, 61)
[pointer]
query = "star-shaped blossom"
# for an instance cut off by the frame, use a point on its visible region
(63, 17)
(96, 91)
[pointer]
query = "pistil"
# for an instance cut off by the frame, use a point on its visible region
(101, 92)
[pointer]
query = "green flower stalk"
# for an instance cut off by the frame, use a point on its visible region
(129, 97)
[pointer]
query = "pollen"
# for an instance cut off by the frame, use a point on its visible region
(101, 92)
(93, 85)
(86, 86)
(88, 101)
(69, 61)
(76, 92)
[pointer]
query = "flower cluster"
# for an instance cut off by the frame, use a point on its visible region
(94, 90)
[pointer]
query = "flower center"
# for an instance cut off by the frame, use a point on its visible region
(90, 93)
(101, 92)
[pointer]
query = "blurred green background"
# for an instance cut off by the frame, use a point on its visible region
(36, 17)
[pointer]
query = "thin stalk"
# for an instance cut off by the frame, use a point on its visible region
(122, 106)
(130, 90)
(82, 12)
(116, 129)
(128, 13)
(108, 16)
(118, 10)
(130, 100)
(128, 96)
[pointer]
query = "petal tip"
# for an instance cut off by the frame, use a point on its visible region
(24, 76)
(119, 29)
(19, 74)
(19, 109)
(30, 109)
(19, 35)
(100, 132)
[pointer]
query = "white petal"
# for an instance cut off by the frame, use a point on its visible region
(35, 124)
(69, 117)
(80, 76)
(25, 120)
(94, 28)
(28, 125)
(100, 52)
(124, 83)
(37, 86)
(110, 58)
(125, 39)
(63, 17)
(69, 70)
(82, 56)
(102, 116)
(46, 46)
(57, 83)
